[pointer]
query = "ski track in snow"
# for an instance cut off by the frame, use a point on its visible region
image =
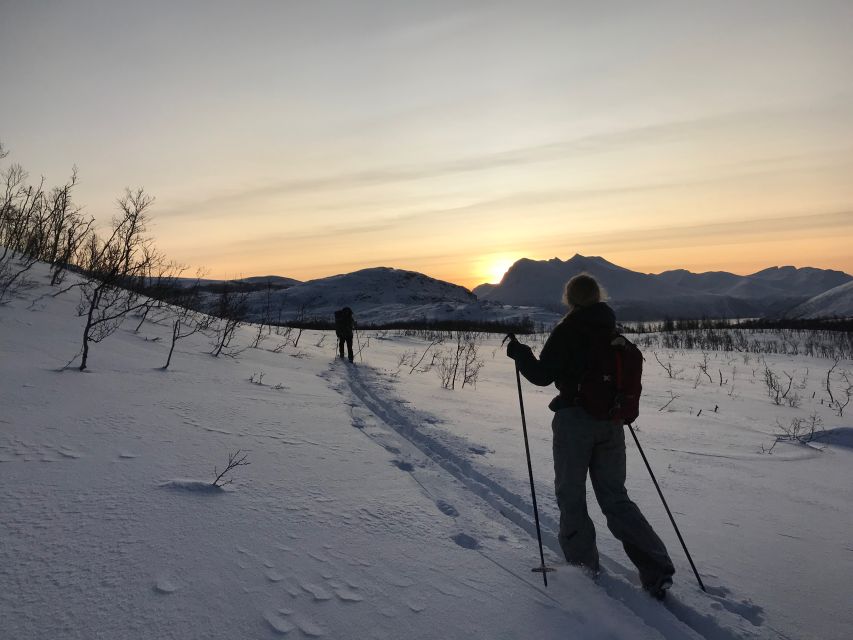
(375, 411)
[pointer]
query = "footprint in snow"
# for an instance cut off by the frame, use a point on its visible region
(278, 623)
(318, 557)
(446, 508)
(309, 627)
(401, 581)
(347, 595)
(403, 466)
(465, 541)
(317, 591)
(165, 586)
(416, 605)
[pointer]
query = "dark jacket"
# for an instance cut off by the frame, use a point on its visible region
(563, 358)
(344, 322)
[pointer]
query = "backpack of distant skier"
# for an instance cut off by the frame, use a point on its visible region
(611, 383)
(343, 321)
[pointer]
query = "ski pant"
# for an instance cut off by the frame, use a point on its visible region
(583, 444)
(345, 338)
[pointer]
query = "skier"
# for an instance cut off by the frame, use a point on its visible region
(584, 444)
(344, 324)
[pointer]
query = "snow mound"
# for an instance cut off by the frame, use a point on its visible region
(193, 486)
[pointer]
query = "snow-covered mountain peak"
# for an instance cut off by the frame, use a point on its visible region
(674, 293)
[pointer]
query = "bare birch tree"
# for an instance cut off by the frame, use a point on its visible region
(115, 270)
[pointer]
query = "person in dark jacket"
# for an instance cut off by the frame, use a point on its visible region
(344, 325)
(584, 445)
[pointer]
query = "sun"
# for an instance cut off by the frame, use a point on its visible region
(495, 268)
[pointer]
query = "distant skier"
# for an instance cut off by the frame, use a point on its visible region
(584, 444)
(344, 325)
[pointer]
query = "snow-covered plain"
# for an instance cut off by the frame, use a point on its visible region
(379, 505)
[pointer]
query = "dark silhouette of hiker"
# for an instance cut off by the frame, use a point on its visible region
(583, 444)
(344, 325)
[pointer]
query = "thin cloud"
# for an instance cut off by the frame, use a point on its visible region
(744, 231)
(730, 232)
(521, 156)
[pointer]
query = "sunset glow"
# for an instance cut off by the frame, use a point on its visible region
(494, 268)
(311, 139)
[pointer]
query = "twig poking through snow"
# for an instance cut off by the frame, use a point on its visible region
(671, 400)
(234, 460)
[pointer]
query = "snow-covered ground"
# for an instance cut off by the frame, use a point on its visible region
(379, 505)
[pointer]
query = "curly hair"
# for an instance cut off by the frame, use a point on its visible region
(582, 291)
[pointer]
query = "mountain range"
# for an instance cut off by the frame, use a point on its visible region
(533, 289)
(378, 296)
(678, 293)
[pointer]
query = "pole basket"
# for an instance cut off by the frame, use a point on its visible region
(544, 571)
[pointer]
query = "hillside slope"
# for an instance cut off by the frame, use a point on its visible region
(111, 528)
(835, 303)
(381, 296)
(379, 505)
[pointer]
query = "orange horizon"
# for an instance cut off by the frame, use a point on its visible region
(471, 282)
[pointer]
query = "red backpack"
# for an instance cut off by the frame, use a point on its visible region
(610, 385)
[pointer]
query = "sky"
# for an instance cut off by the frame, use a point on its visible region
(306, 139)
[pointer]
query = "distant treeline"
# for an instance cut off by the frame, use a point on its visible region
(520, 326)
(754, 324)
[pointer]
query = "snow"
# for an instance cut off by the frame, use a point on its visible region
(835, 303)
(379, 505)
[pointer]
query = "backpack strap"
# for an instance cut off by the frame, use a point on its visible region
(618, 353)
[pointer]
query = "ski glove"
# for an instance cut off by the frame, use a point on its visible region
(516, 350)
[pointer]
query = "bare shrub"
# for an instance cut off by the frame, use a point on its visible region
(264, 324)
(672, 398)
(703, 366)
(36, 224)
(236, 459)
(186, 320)
(460, 362)
(158, 287)
(230, 309)
(415, 362)
(840, 403)
(671, 372)
(775, 386)
(802, 430)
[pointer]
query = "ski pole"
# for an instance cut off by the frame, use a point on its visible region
(358, 340)
(666, 506)
(542, 568)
